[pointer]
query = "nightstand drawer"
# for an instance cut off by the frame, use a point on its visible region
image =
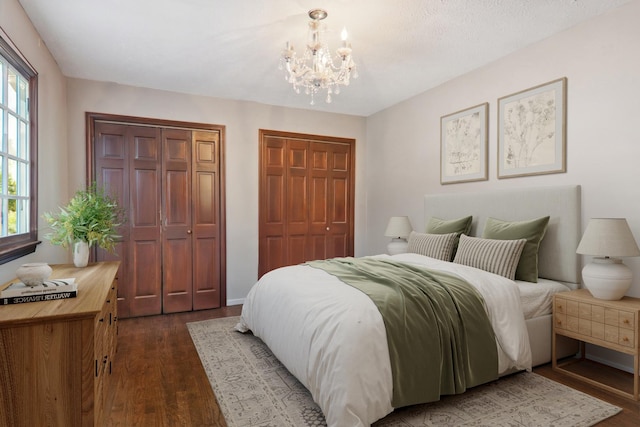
(626, 338)
(626, 320)
(560, 320)
(560, 305)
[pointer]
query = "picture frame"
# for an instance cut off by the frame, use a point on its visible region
(532, 131)
(464, 145)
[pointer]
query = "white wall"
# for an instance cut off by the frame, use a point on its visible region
(601, 62)
(242, 121)
(52, 129)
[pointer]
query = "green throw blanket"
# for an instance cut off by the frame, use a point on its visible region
(439, 336)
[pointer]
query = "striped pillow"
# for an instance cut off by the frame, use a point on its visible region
(438, 246)
(495, 256)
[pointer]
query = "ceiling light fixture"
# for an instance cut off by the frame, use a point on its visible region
(315, 70)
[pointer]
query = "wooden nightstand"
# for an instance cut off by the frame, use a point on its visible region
(610, 324)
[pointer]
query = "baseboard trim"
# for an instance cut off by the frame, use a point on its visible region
(238, 301)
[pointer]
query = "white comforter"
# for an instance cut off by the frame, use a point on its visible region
(332, 337)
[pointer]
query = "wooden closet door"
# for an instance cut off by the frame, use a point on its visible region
(145, 241)
(177, 228)
(306, 199)
(329, 201)
(191, 255)
(273, 252)
(127, 166)
(111, 153)
(206, 223)
(297, 233)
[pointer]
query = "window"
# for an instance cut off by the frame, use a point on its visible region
(18, 154)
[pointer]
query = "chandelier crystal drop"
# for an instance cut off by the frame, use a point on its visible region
(316, 71)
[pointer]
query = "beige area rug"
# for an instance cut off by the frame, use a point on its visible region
(254, 389)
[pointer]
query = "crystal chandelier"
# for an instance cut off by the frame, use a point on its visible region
(315, 70)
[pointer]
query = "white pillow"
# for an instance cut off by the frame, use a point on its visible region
(492, 255)
(438, 246)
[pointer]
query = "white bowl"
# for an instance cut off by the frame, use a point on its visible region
(34, 273)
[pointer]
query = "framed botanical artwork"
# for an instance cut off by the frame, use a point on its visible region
(532, 132)
(463, 145)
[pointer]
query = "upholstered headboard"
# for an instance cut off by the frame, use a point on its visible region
(557, 256)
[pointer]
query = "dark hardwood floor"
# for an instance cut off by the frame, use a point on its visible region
(158, 379)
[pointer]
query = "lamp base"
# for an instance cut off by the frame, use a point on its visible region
(607, 278)
(397, 246)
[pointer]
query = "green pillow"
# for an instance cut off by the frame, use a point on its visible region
(447, 226)
(444, 226)
(532, 230)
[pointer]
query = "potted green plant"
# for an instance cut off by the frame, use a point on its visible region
(90, 218)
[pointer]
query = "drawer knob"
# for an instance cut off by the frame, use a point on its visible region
(625, 339)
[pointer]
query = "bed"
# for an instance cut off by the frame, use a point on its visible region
(332, 337)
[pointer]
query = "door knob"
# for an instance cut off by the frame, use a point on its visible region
(188, 231)
(327, 228)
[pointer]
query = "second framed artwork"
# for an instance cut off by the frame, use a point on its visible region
(463, 145)
(532, 131)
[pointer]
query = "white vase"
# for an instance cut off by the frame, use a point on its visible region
(34, 273)
(80, 254)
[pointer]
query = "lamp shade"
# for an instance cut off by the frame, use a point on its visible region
(399, 226)
(608, 237)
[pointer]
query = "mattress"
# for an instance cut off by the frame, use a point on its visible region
(536, 298)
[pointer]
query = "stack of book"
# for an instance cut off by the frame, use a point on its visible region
(18, 292)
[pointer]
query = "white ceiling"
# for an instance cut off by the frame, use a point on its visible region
(230, 48)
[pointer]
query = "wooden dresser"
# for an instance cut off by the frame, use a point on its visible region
(56, 356)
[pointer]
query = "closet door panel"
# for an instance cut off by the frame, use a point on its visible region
(206, 220)
(111, 151)
(177, 232)
(272, 212)
(206, 279)
(339, 222)
(297, 202)
(144, 279)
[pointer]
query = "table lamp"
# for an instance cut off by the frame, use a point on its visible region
(607, 239)
(399, 228)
